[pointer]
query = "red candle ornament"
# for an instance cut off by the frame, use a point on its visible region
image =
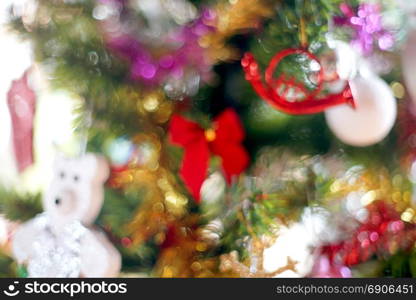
(21, 100)
(275, 91)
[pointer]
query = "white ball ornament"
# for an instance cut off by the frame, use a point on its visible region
(373, 117)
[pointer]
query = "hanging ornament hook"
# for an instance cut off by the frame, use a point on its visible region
(303, 37)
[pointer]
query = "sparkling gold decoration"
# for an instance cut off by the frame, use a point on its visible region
(210, 135)
(151, 103)
(234, 17)
(182, 256)
(408, 215)
(162, 205)
(147, 171)
(374, 184)
(162, 202)
(155, 106)
(230, 264)
(398, 90)
(149, 147)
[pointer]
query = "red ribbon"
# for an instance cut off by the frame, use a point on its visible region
(224, 140)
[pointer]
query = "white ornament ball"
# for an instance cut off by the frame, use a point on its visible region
(373, 117)
(409, 65)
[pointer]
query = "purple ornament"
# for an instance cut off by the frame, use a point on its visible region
(182, 51)
(366, 23)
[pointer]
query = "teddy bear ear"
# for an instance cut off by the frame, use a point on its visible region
(96, 166)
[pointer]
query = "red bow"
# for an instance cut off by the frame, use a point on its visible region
(224, 140)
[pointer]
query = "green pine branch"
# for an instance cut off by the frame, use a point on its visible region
(19, 207)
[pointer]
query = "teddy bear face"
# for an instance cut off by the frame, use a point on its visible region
(76, 190)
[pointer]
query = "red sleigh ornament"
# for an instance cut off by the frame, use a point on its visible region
(275, 91)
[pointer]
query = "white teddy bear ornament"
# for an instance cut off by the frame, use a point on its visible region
(60, 242)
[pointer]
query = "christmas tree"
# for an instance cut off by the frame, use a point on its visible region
(223, 138)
